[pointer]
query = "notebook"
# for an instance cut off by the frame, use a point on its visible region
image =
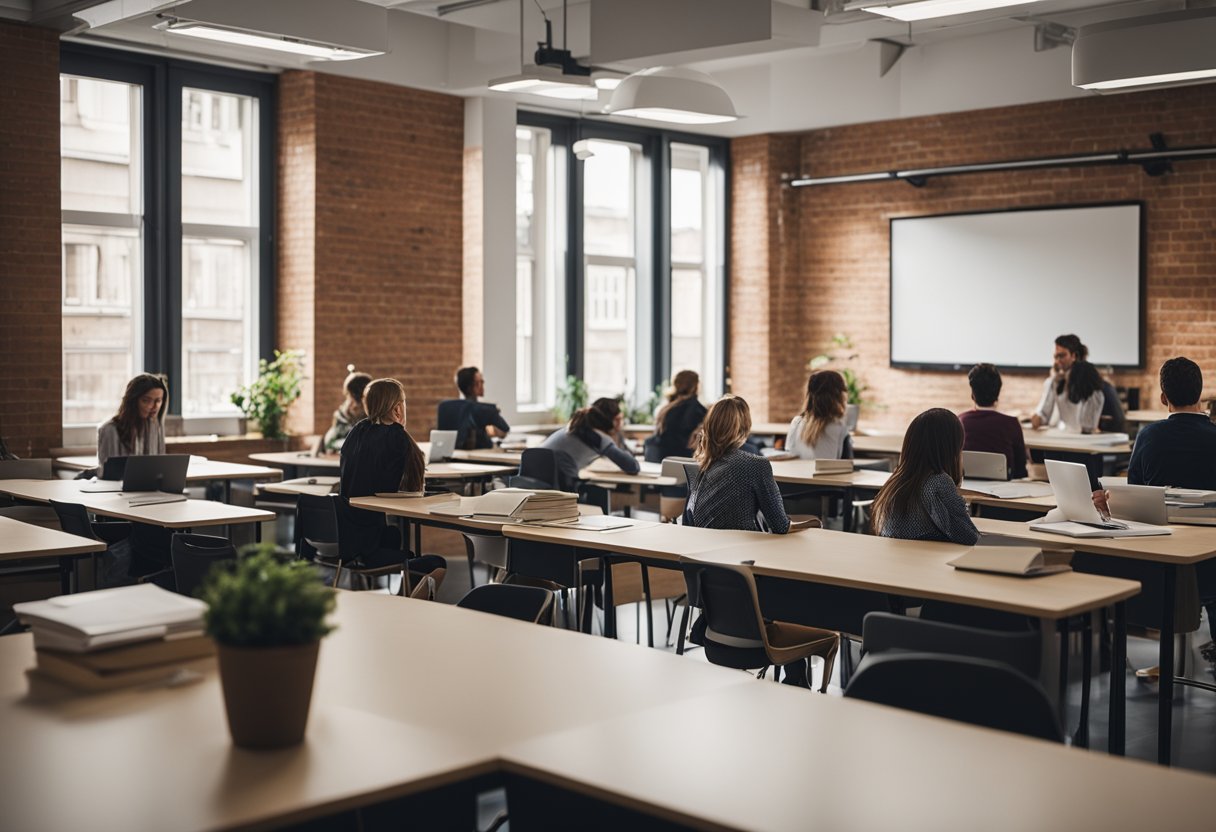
(1022, 561)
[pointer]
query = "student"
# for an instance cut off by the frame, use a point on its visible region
(473, 420)
(732, 487)
(921, 501)
(677, 420)
(137, 429)
(1076, 401)
(379, 455)
(348, 413)
(588, 436)
(987, 429)
(820, 432)
(1068, 350)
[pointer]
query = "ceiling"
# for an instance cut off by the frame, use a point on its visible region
(814, 65)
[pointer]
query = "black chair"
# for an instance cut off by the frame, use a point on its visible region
(735, 634)
(524, 603)
(977, 691)
(538, 468)
(74, 519)
(194, 555)
(883, 633)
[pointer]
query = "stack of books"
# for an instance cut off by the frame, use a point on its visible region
(547, 506)
(115, 638)
(515, 505)
(833, 466)
(1191, 505)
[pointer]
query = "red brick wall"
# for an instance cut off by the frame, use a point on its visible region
(30, 280)
(377, 170)
(841, 245)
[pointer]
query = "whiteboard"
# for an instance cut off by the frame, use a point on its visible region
(999, 287)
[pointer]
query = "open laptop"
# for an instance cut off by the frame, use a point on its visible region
(1142, 503)
(443, 442)
(985, 472)
(154, 472)
(983, 465)
(1075, 514)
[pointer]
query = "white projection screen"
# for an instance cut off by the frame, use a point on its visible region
(999, 287)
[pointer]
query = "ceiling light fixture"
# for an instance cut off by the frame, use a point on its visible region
(913, 10)
(606, 79)
(1161, 50)
(672, 94)
(547, 81)
(315, 50)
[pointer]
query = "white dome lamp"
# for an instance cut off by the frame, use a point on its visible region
(674, 95)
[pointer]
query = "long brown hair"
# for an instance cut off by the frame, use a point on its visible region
(726, 427)
(127, 419)
(683, 387)
(1083, 381)
(932, 445)
(379, 399)
(825, 403)
(600, 416)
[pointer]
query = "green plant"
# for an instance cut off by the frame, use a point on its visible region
(265, 402)
(642, 413)
(843, 343)
(266, 601)
(571, 396)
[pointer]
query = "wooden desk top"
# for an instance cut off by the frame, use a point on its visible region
(891, 443)
(300, 459)
(199, 470)
(315, 486)
(1141, 417)
(491, 456)
(1187, 544)
(181, 515)
(801, 472)
(24, 540)
(420, 508)
(710, 763)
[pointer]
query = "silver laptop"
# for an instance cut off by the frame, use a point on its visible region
(1142, 503)
(1070, 482)
(443, 442)
(983, 465)
(153, 472)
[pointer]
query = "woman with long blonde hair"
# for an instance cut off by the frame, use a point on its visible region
(677, 421)
(732, 488)
(819, 431)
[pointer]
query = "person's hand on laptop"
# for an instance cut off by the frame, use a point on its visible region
(1100, 502)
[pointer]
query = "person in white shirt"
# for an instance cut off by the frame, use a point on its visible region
(819, 431)
(1076, 401)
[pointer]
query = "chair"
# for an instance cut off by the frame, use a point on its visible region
(538, 468)
(74, 519)
(428, 585)
(480, 548)
(194, 555)
(735, 633)
(524, 603)
(977, 691)
(673, 498)
(884, 633)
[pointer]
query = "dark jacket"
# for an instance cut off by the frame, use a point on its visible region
(680, 423)
(469, 418)
(373, 460)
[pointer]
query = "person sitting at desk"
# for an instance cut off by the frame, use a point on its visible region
(473, 420)
(820, 432)
(987, 429)
(379, 455)
(677, 420)
(348, 413)
(920, 501)
(591, 433)
(1076, 401)
(137, 429)
(732, 488)
(1069, 350)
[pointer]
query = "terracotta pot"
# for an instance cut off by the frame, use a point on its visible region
(267, 691)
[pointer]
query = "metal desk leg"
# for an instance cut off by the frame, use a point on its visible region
(1081, 737)
(257, 532)
(1062, 627)
(67, 575)
(846, 510)
(417, 539)
(1165, 661)
(1118, 683)
(609, 601)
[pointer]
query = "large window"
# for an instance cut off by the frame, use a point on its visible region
(166, 257)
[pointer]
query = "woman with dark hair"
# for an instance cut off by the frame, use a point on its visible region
(588, 436)
(921, 501)
(820, 432)
(138, 427)
(677, 420)
(348, 414)
(1076, 403)
(1068, 351)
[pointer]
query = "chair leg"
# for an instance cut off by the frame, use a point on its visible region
(683, 629)
(337, 574)
(671, 615)
(828, 661)
(649, 606)
(846, 660)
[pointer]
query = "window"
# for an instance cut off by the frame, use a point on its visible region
(696, 291)
(166, 202)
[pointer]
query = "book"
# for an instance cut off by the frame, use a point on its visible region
(1022, 561)
(832, 466)
(400, 495)
(109, 617)
(155, 499)
(183, 647)
(1070, 528)
(514, 505)
(84, 678)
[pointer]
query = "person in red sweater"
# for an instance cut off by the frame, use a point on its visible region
(987, 429)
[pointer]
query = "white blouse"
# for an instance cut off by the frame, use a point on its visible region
(831, 443)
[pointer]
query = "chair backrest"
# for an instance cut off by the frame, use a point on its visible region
(537, 469)
(74, 519)
(674, 466)
(964, 688)
(882, 632)
(194, 555)
(428, 585)
(524, 603)
(316, 526)
(734, 633)
(25, 469)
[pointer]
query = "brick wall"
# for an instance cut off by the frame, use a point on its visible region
(376, 169)
(840, 249)
(30, 281)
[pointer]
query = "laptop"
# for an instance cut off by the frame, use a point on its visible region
(1142, 503)
(1075, 514)
(983, 465)
(985, 472)
(155, 472)
(443, 442)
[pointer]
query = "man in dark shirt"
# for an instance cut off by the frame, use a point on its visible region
(473, 420)
(985, 428)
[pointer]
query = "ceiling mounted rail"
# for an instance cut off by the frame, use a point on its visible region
(1155, 162)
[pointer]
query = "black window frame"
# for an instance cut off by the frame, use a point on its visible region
(162, 80)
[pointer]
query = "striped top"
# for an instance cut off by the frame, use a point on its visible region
(734, 493)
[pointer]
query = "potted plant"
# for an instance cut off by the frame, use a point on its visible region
(856, 389)
(267, 616)
(571, 396)
(265, 402)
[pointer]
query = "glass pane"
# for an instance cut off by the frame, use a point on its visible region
(101, 279)
(218, 170)
(216, 339)
(608, 330)
(99, 150)
(687, 239)
(524, 343)
(608, 200)
(525, 176)
(687, 320)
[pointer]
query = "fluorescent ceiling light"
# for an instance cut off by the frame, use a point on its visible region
(674, 95)
(315, 50)
(547, 81)
(1160, 50)
(926, 9)
(605, 80)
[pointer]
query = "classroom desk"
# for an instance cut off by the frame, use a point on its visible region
(199, 470)
(289, 461)
(491, 456)
(314, 486)
(1187, 546)
(292, 461)
(1143, 417)
(20, 541)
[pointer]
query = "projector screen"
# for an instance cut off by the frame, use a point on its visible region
(999, 287)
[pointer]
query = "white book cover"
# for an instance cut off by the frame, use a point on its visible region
(109, 612)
